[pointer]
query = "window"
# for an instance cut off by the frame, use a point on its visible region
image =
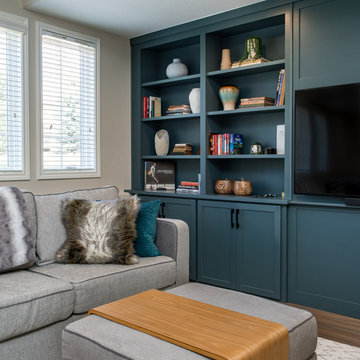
(14, 152)
(69, 124)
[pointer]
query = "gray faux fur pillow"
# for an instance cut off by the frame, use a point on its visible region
(99, 232)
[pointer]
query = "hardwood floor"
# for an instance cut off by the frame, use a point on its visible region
(336, 327)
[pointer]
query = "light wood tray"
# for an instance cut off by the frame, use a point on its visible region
(205, 329)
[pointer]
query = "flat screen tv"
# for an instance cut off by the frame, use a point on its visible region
(327, 141)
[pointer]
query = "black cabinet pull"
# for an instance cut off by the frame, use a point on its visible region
(237, 218)
(163, 209)
(232, 218)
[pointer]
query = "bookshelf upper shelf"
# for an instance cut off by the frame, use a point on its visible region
(248, 110)
(245, 156)
(172, 117)
(175, 81)
(244, 70)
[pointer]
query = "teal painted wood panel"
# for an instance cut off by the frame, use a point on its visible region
(324, 259)
(259, 250)
(182, 209)
(185, 210)
(216, 245)
(326, 42)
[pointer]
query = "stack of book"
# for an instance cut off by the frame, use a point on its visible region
(178, 110)
(190, 187)
(256, 101)
(247, 62)
(151, 106)
(280, 89)
(182, 149)
(225, 144)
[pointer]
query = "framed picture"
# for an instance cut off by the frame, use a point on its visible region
(159, 175)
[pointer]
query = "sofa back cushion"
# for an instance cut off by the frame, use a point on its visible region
(50, 230)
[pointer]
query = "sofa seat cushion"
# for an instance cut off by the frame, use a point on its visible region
(98, 284)
(29, 301)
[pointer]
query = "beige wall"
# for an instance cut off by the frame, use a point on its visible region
(114, 107)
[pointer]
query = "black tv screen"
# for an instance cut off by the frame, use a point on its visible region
(327, 141)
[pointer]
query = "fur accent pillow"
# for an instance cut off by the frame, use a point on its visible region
(99, 232)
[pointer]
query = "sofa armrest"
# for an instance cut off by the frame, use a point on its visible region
(172, 239)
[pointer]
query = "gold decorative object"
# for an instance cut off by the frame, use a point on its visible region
(242, 187)
(224, 186)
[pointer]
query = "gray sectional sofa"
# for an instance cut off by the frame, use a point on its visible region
(37, 303)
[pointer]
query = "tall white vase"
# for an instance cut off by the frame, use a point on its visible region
(161, 142)
(194, 99)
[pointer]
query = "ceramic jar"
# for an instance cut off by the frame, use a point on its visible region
(194, 100)
(229, 95)
(225, 59)
(242, 187)
(176, 69)
(161, 142)
(224, 186)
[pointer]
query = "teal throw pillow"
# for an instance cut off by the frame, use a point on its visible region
(146, 229)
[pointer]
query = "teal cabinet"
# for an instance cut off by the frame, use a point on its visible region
(182, 209)
(239, 246)
(324, 258)
(326, 44)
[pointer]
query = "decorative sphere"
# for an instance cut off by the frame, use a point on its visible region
(176, 69)
(229, 95)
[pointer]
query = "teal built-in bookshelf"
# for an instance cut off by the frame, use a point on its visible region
(285, 247)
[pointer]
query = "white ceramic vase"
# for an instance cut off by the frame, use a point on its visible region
(161, 142)
(194, 99)
(176, 69)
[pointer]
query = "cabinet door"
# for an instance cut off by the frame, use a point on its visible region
(258, 235)
(216, 246)
(326, 50)
(182, 209)
(324, 258)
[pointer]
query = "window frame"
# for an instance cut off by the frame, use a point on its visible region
(21, 24)
(73, 173)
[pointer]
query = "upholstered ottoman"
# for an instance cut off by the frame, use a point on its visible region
(94, 337)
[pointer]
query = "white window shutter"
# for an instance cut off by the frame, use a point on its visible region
(11, 101)
(68, 104)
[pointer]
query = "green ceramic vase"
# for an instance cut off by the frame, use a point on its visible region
(229, 95)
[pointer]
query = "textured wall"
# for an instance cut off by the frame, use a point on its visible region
(114, 106)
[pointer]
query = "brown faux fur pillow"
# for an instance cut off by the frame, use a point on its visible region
(99, 232)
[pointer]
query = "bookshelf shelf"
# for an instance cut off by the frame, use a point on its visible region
(171, 157)
(264, 109)
(250, 69)
(245, 156)
(171, 82)
(172, 117)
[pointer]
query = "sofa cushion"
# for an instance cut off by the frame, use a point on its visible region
(99, 232)
(29, 301)
(146, 229)
(98, 284)
(30, 204)
(50, 230)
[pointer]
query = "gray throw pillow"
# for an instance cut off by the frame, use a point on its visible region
(99, 232)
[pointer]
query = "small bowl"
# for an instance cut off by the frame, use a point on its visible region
(224, 186)
(242, 188)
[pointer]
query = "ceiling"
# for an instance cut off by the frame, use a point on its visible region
(130, 18)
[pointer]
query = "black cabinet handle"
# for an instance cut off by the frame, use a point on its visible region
(232, 218)
(237, 218)
(163, 210)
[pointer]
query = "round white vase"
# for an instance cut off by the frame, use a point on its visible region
(161, 142)
(194, 99)
(176, 69)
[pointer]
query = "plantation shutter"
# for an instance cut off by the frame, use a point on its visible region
(69, 125)
(11, 101)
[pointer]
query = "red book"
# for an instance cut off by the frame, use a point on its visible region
(145, 109)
